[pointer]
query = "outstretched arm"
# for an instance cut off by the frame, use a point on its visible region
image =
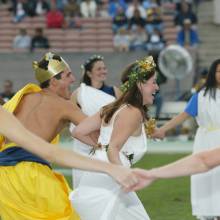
(196, 163)
(174, 122)
(59, 156)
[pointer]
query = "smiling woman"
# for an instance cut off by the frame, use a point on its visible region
(123, 142)
(92, 94)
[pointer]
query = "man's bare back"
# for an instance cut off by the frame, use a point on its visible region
(45, 113)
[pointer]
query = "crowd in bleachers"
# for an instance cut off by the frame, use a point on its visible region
(136, 24)
(139, 25)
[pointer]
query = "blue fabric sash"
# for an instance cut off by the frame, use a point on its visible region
(108, 89)
(13, 155)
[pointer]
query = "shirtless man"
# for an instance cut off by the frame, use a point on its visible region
(29, 189)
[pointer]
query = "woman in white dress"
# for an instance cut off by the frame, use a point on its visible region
(123, 141)
(204, 107)
(92, 94)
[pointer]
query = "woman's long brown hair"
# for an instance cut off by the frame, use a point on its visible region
(131, 97)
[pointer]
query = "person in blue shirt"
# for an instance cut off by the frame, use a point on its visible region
(187, 36)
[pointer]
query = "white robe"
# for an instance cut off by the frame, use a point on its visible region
(98, 196)
(205, 188)
(91, 100)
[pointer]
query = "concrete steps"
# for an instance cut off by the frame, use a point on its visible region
(209, 33)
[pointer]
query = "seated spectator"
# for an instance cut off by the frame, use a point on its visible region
(19, 10)
(155, 42)
(72, 14)
(187, 37)
(22, 40)
(54, 18)
(185, 13)
(71, 9)
(42, 7)
(179, 2)
(154, 19)
(88, 8)
(73, 22)
(8, 92)
(30, 7)
(102, 10)
(120, 20)
(136, 20)
(60, 4)
(134, 6)
(113, 6)
(39, 40)
(122, 40)
(138, 38)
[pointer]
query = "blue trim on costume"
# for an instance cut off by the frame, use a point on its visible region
(108, 89)
(192, 106)
(14, 155)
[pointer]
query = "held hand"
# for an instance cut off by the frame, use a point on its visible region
(126, 177)
(158, 133)
(145, 178)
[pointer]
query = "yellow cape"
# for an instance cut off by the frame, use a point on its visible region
(29, 190)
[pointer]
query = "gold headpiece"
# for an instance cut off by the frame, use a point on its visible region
(52, 65)
(139, 72)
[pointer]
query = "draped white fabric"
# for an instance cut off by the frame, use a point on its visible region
(97, 196)
(205, 188)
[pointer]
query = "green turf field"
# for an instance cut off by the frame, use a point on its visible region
(165, 199)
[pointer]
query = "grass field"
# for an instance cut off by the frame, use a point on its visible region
(165, 199)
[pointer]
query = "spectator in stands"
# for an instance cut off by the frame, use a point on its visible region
(23, 8)
(114, 5)
(155, 42)
(122, 40)
(30, 7)
(119, 20)
(185, 13)
(138, 38)
(60, 4)
(42, 7)
(179, 2)
(71, 9)
(134, 6)
(187, 37)
(102, 10)
(72, 14)
(19, 10)
(73, 22)
(39, 40)
(22, 40)
(154, 19)
(54, 18)
(88, 8)
(136, 20)
(8, 92)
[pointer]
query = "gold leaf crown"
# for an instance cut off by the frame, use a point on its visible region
(139, 72)
(53, 65)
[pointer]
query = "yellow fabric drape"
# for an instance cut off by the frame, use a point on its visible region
(29, 190)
